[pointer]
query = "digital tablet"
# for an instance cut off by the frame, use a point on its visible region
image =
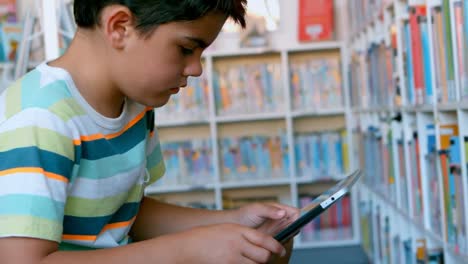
(318, 206)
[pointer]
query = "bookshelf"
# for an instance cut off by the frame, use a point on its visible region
(280, 118)
(408, 72)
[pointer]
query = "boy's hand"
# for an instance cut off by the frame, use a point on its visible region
(269, 218)
(228, 243)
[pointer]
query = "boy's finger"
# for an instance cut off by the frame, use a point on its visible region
(265, 241)
(271, 211)
(256, 254)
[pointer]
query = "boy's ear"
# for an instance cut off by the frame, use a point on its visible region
(117, 23)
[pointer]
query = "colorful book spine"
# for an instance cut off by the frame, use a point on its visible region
(464, 81)
(449, 49)
(426, 55)
(433, 181)
(409, 65)
(415, 13)
(459, 38)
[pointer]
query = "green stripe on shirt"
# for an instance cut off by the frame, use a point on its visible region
(42, 138)
(35, 227)
(13, 99)
(81, 207)
(67, 109)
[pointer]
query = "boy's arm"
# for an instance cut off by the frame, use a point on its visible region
(156, 218)
(233, 243)
(29, 251)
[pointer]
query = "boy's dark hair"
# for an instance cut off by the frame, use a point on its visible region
(151, 13)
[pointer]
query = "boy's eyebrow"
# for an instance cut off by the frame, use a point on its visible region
(200, 42)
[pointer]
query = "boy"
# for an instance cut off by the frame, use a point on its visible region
(78, 146)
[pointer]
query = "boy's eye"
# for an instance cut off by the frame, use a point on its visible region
(186, 51)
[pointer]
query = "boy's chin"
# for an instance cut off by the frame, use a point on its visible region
(156, 102)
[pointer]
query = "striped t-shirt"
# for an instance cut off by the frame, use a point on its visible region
(67, 173)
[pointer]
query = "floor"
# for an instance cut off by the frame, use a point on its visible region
(339, 255)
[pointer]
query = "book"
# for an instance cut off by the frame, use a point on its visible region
(316, 20)
(8, 11)
(464, 81)
(11, 37)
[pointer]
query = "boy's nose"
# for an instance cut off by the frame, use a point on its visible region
(194, 68)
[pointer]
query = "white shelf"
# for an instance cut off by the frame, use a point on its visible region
(449, 106)
(318, 112)
(370, 110)
(310, 180)
(240, 52)
(249, 117)
(256, 183)
(179, 123)
(419, 108)
(327, 244)
(178, 189)
(463, 105)
(408, 219)
(316, 46)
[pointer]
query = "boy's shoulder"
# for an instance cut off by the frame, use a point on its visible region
(43, 88)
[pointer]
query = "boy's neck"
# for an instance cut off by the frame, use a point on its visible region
(86, 62)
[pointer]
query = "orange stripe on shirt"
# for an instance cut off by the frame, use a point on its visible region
(118, 225)
(129, 125)
(98, 136)
(79, 237)
(49, 175)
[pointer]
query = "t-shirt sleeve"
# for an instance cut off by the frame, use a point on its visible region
(36, 161)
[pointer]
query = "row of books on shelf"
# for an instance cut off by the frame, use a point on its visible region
(418, 53)
(438, 168)
(188, 163)
(384, 246)
(247, 88)
(372, 77)
(258, 88)
(363, 12)
(316, 84)
(200, 204)
(256, 157)
(321, 155)
(434, 58)
(318, 156)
